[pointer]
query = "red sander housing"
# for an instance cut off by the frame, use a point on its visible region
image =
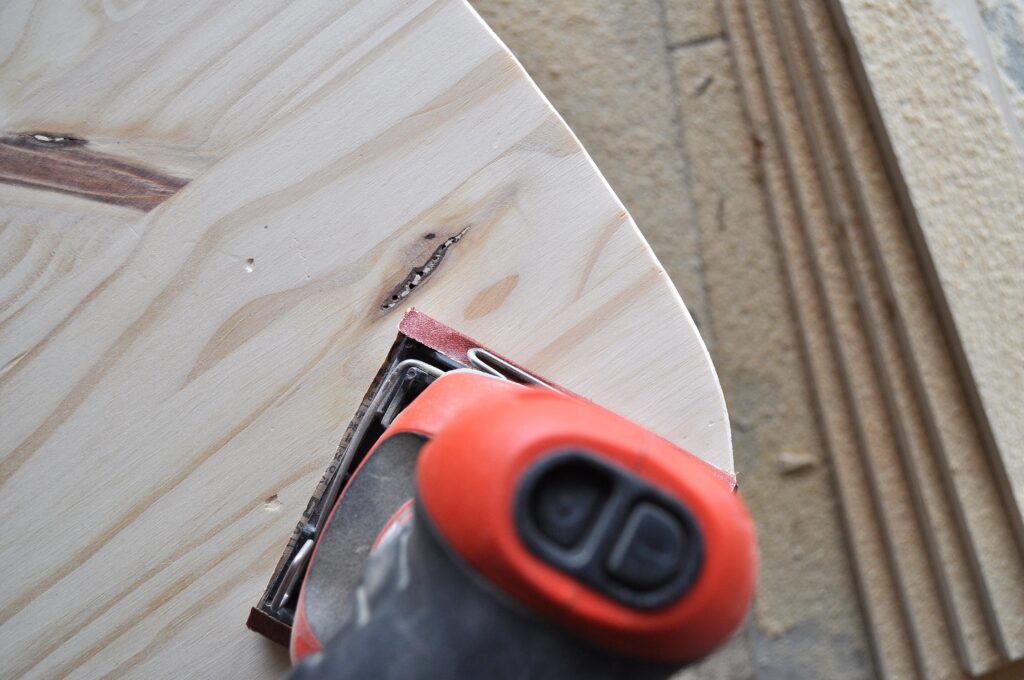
(479, 522)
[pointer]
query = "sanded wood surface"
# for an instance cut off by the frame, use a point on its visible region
(213, 215)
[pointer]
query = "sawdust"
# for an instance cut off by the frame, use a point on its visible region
(793, 462)
(921, 474)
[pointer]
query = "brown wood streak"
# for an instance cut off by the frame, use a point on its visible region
(70, 167)
(491, 298)
(585, 327)
(493, 76)
(621, 219)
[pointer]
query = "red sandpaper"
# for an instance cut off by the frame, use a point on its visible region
(439, 337)
(448, 341)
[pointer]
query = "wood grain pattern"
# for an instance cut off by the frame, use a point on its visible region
(64, 163)
(174, 377)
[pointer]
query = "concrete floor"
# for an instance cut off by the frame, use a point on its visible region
(648, 86)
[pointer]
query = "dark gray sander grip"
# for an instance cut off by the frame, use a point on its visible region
(385, 481)
(651, 548)
(421, 612)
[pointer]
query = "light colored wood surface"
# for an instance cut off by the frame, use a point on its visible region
(181, 348)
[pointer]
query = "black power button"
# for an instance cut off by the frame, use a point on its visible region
(566, 501)
(651, 549)
(608, 528)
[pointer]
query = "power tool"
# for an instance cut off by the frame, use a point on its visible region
(481, 522)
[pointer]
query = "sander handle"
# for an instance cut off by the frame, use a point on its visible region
(422, 612)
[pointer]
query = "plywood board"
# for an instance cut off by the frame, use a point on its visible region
(883, 607)
(950, 131)
(940, 591)
(813, 621)
(209, 211)
(961, 488)
(879, 370)
(871, 471)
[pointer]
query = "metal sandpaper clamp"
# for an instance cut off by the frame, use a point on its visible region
(424, 350)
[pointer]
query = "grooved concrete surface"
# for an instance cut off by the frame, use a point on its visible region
(649, 87)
